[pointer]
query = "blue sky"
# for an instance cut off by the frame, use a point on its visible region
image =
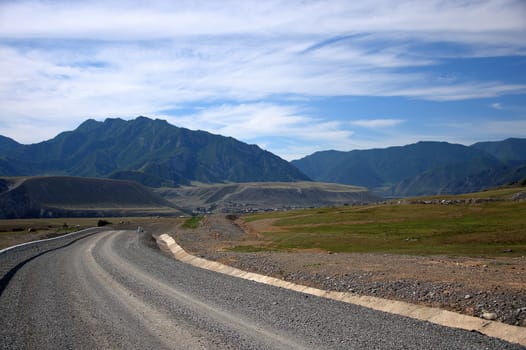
(294, 77)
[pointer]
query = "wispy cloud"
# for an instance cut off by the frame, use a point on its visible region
(497, 105)
(377, 123)
(458, 91)
(483, 129)
(161, 19)
(499, 129)
(248, 49)
(64, 61)
(291, 126)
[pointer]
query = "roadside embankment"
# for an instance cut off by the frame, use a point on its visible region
(438, 316)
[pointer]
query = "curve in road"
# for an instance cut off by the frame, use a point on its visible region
(114, 289)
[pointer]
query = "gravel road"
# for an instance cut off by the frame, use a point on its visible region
(114, 289)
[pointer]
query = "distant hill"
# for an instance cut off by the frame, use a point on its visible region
(152, 152)
(509, 150)
(422, 168)
(60, 196)
(8, 145)
(455, 179)
(241, 197)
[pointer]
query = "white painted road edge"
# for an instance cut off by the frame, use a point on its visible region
(44, 240)
(513, 334)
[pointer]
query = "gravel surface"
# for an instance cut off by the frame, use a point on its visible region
(14, 258)
(509, 306)
(473, 286)
(115, 290)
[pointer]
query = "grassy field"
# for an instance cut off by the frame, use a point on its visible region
(503, 193)
(193, 222)
(482, 229)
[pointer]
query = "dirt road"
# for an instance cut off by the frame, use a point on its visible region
(114, 289)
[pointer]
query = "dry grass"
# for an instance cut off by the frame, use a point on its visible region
(16, 231)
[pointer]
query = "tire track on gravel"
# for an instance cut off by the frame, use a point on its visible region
(268, 337)
(157, 323)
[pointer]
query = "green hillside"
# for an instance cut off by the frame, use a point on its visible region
(421, 168)
(150, 151)
(509, 150)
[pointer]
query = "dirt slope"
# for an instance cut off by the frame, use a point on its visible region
(57, 196)
(242, 197)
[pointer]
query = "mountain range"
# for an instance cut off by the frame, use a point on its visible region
(158, 154)
(152, 152)
(422, 168)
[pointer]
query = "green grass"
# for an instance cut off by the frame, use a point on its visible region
(486, 229)
(193, 222)
(249, 249)
(271, 215)
(501, 193)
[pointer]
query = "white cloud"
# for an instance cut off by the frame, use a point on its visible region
(500, 129)
(497, 105)
(462, 91)
(160, 19)
(64, 61)
(377, 123)
(168, 53)
(288, 127)
(482, 129)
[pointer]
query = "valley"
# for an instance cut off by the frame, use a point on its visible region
(252, 197)
(468, 258)
(259, 175)
(460, 253)
(67, 196)
(454, 246)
